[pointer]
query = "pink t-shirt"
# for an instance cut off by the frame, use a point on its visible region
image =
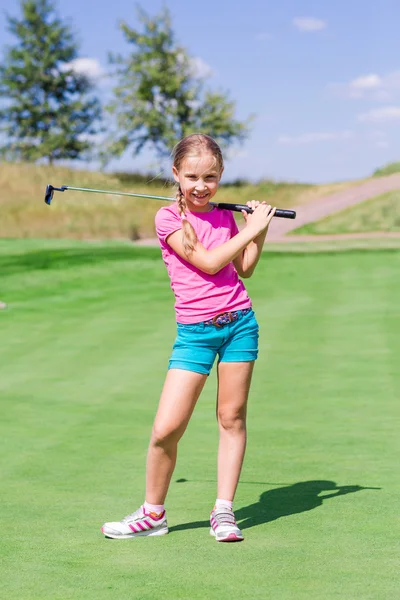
(198, 295)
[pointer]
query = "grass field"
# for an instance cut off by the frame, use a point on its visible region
(381, 213)
(84, 347)
(80, 215)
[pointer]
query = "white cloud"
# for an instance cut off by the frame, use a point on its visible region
(309, 24)
(85, 66)
(311, 138)
(371, 86)
(386, 114)
(366, 82)
(377, 138)
(200, 68)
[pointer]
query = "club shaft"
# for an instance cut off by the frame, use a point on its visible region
(67, 187)
(286, 214)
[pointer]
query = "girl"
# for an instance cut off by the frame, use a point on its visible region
(204, 253)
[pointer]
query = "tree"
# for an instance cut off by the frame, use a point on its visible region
(160, 98)
(48, 111)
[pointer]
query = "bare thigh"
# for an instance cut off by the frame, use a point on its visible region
(234, 381)
(178, 398)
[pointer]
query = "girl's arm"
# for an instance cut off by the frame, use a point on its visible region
(246, 262)
(212, 261)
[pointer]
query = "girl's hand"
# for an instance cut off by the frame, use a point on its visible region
(261, 216)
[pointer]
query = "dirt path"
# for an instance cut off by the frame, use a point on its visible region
(323, 207)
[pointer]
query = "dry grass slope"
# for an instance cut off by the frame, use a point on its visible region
(77, 215)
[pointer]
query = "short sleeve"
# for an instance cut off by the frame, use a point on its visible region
(233, 225)
(166, 222)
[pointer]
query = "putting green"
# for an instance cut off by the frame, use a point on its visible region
(84, 347)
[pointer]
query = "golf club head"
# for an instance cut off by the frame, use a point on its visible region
(49, 194)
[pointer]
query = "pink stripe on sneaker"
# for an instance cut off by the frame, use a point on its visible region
(148, 524)
(139, 524)
(131, 526)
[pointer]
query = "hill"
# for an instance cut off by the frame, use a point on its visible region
(381, 213)
(80, 215)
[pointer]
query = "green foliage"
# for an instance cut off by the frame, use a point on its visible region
(160, 98)
(49, 112)
(387, 170)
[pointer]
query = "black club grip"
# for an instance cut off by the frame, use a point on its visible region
(280, 212)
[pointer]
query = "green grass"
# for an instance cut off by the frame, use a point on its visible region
(388, 169)
(381, 213)
(84, 348)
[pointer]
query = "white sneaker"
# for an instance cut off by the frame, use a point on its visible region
(223, 525)
(138, 524)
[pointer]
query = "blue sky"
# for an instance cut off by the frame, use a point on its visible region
(322, 78)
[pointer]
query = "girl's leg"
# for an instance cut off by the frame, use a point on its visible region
(233, 389)
(178, 399)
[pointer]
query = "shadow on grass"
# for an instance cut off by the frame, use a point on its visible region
(91, 254)
(62, 258)
(283, 502)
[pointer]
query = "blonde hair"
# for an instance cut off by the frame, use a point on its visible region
(193, 145)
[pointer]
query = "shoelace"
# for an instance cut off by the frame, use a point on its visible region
(136, 515)
(224, 517)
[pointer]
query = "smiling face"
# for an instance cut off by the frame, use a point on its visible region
(198, 177)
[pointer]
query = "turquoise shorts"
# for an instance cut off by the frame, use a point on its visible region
(197, 345)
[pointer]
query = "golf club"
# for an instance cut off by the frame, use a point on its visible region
(50, 189)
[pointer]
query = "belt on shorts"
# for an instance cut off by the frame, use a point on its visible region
(224, 318)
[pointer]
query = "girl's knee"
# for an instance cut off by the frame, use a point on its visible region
(232, 421)
(164, 437)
